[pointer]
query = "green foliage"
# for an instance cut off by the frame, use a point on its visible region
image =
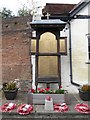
(10, 86)
(85, 87)
(23, 12)
(49, 92)
(6, 13)
(60, 91)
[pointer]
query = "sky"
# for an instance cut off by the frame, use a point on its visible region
(15, 5)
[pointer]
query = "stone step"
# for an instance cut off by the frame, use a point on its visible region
(46, 116)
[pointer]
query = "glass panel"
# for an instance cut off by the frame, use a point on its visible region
(47, 43)
(33, 45)
(47, 66)
(62, 45)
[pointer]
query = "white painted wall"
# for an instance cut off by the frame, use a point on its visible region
(79, 29)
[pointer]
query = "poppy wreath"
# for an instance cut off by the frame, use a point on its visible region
(25, 109)
(62, 107)
(82, 108)
(8, 107)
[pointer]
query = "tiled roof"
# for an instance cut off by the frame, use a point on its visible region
(53, 9)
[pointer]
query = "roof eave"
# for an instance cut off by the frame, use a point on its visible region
(78, 7)
(48, 24)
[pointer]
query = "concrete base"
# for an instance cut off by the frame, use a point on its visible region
(40, 98)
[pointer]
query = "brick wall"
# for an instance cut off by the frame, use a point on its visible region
(16, 61)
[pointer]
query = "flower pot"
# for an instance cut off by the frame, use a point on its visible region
(84, 95)
(11, 94)
(33, 98)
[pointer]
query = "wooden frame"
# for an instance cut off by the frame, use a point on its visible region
(53, 26)
(48, 80)
(58, 54)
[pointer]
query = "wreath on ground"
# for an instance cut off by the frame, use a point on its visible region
(82, 108)
(8, 107)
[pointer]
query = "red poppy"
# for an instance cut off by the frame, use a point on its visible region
(60, 87)
(32, 90)
(38, 89)
(47, 89)
(48, 98)
(42, 91)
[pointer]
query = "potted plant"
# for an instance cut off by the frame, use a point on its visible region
(10, 90)
(84, 92)
(38, 97)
